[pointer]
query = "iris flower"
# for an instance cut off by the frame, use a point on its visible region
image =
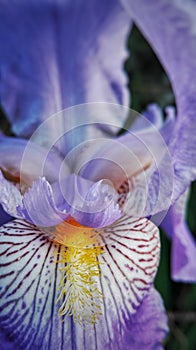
(77, 263)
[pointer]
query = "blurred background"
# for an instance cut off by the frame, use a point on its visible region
(148, 83)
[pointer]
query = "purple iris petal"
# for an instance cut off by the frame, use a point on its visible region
(173, 38)
(76, 126)
(183, 243)
(57, 54)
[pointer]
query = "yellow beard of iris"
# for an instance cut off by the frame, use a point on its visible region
(79, 294)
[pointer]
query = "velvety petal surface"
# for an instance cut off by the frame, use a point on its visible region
(30, 272)
(58, 54)
(173, 38)
(183, 243)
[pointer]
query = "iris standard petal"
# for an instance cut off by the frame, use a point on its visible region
(31, 269)
(183, 243)
(173, 37)
(75, 126)
(58, 54)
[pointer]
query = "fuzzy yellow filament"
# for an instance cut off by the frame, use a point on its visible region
(79, 293)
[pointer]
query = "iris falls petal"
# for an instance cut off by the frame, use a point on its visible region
(31, 279)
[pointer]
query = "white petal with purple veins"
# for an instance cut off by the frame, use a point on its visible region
(30, 276)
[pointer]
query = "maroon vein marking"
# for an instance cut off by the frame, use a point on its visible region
(135, 239)
(11, 245)
(124, 221)
(18, 223)
(134, 263)
(19, 271)
(22, 281)
(123, 274)
(12, 321)
(24, 246)
(133, 249)
(15, 260)
(35, 298)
